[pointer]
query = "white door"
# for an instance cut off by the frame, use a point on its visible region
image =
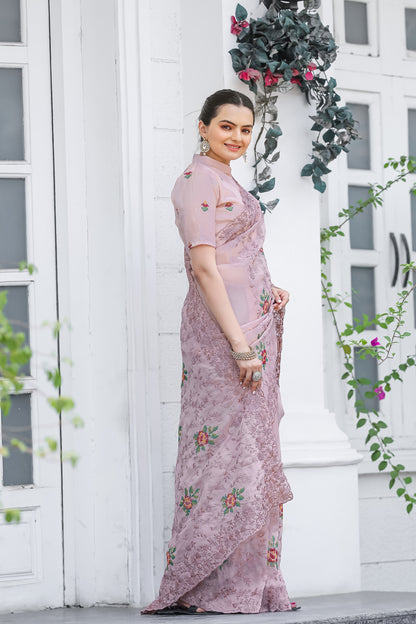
(376, 68)
(31, 551)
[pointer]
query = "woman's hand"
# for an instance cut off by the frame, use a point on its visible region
(281, 296)
(247, 368)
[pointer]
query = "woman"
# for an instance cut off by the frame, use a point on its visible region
(224, 554)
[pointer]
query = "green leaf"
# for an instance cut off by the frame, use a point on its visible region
(61, 404)
(53, 444)
(391, 483)
(382, 465)
(267, 186)
(346, 348)
(400, 491)
(408, 480)
(240, 13)
(12, 515)
(307, 170)
(409, 507)
(350, 393)
(370, 394)
(361, 422)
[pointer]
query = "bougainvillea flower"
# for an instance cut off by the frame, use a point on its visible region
(295, 80)
(295, 72)
(236, 26)
(249, 74)
(311, 66)
(270, 79)
(375, 342)
(309, 75)
(380, 393)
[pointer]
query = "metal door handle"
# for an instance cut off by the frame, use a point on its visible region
(396, 258)
(407, 250)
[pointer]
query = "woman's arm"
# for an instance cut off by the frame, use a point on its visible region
(212, 286)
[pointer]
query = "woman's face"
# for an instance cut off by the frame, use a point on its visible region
(229, 133)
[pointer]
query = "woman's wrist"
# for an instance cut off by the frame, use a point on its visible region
(239, 345)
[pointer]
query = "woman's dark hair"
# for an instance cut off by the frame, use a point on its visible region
(219, 98)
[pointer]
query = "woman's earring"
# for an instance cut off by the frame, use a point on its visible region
(204, 147)
(245, 157)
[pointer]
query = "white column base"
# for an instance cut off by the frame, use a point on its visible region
(321, 551)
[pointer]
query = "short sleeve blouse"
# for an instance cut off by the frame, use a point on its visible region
(206, 198)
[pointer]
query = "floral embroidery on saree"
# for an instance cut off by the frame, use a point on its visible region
(170, 556)
(265, 302)
(184, 374)
(189, 500)
(187, 174)
(179, 433)
(231, 500)
(206, 436)
(229, 205)
(273, 553)
(262, 354)
(204, 206)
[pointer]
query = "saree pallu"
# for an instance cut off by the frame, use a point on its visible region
(224, 553)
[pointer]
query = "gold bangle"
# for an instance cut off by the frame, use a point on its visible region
(244, 355)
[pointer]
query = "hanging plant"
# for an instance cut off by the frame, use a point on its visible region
(282, 50)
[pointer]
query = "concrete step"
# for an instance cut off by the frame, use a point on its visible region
(356, 608)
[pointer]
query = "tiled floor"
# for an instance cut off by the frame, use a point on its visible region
(362, 607)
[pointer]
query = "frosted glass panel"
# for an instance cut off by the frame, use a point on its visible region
(363, 300)
(17, 311)
(361, 226)
(413, 218)
(356, 30)
(11, 114)
(411, 117)
(12, 222)
(366, 368)
(410, 17)
(359, 154)
(10, 21)
(18, 467)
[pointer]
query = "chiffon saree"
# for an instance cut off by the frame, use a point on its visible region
(224, 553)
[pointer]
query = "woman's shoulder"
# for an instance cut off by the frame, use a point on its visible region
(195, 176)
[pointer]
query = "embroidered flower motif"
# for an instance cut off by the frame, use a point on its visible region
(189, 500)
(273, 553)
(261, 250)
(380, 393)
(170, 556)
(184, 374)
(223, 564)
(236, 26)
(187, 174)
(231, 500)
(249, 74)
(179, 433)
(204, 206)
(229, 205)
(280, 510)
(265, 302)
(189, 245)
(206, 436)
(262, 354)
(375, 342)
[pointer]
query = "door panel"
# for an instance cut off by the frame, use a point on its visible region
(31, 551)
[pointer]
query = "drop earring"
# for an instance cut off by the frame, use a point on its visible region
(245, 157)
(204, 147)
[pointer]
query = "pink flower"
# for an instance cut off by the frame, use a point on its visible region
(270, 79)
(380, 393)
(375, 342)
(249, 74)
(295, 72)
(237, 27)
(311, 66)
(309, 75)
(295, 81)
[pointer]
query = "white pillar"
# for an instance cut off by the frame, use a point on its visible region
(321, 538)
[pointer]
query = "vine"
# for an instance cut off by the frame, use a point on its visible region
(348, 339)
(275, 53)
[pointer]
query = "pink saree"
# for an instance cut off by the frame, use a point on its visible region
(224, 553)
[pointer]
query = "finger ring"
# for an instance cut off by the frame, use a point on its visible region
(257, 376)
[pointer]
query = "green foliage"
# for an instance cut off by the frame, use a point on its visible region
(349, 340)
(274, 53)
(14, 354)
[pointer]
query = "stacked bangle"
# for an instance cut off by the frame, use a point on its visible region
(244, 355)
